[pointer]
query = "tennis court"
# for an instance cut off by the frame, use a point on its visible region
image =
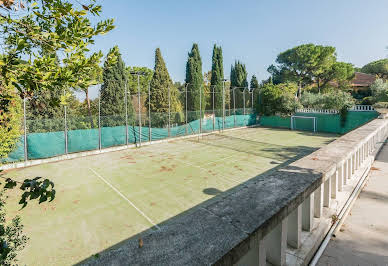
(104, 199)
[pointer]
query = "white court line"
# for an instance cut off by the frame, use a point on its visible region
(124, 197)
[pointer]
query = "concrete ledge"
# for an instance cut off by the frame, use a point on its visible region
(222, 231)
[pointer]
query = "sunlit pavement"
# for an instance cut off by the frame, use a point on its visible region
(363, 238)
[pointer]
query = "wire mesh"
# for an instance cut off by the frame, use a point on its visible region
(123, 115)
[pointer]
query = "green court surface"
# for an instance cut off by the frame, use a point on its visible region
(107, 198)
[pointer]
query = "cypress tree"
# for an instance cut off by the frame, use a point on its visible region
(113, 91)
(194, 79)
(254, 89)
(254, 83)
(217, 78)
(159, 86)
(238, 81)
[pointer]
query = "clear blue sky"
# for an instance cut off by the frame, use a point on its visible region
(251, 31)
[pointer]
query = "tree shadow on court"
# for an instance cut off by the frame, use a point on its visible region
(256, 148)
(204, 233)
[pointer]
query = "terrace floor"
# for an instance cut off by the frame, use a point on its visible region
(363, 238)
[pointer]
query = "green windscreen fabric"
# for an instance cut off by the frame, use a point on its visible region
(50, 144)
(304, 124)
(76, 140)
(276, 121)
(113, 136)
(17, 154)
(330, 123)
(45, 145)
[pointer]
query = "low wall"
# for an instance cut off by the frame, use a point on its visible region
(330, 123)
(280, 218)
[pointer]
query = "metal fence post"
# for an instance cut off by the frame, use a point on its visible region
(223, 105)
(65, 124)
(214, 115)
(200, 110)
(25, 126)
(99, 120)
(234, 106)
(186, 110)
(149, 114)
(169, 111)
(139, 105)
(126, 113)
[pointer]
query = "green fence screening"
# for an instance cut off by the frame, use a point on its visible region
(50, 144)
(17, 154)
(330, 123)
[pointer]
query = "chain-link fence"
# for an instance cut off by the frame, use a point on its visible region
(123, 116)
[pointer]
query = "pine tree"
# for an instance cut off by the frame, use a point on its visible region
(160, 85)
(113, 91)
(194, 79)
(238, 83)
(217, 78)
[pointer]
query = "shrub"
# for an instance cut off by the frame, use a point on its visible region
(277, 99)
(379, 90)
(381, 105)
(367, 100)
(336, 100)
(10, 120)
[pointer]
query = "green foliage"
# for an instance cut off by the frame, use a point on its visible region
(12, 238)
(217, 78)
(254, 83)
(194, 81)
(309, 64)
(44, 112)
(160, 86)
(381, 105)
(301, 63)
(334, 100)
(112, 96)
(40, 32)
(379, 90)
(45, 48)
(144, 80)
(10, 120)
(367, 100)
(379, 68)
(238, 83)
(277, 99)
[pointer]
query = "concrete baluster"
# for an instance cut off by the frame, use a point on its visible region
(276, 244)
(307, 213)
(294, 221)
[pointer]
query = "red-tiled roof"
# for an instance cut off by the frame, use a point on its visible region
(362, 79)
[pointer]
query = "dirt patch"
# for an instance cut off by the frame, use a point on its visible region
(76, 201)
(152, 203)
(165, 169)
(374, 169)
(129, 158)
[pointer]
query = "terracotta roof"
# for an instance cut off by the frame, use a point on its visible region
(362, 79)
